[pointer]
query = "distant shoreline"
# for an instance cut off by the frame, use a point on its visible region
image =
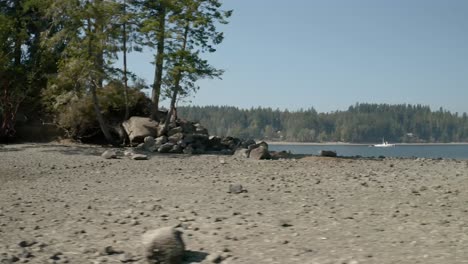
(283, 143)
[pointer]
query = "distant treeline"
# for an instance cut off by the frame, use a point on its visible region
(360, 123)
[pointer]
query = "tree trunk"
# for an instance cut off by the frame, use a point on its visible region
(94, 82)
(127, 111)
(177, 80)
(159, 62)
(102, 122)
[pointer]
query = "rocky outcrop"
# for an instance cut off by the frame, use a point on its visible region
(189, 138)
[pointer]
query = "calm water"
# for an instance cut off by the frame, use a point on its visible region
(420, 151)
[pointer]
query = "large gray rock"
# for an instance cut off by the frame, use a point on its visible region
(174, 131)
(242, 153)
(109, 154)
(138, 128)
(259, 153)
(231, 142)
(161, 140)
(261, 144)
(163, 246)
(176, 137)
(166, 148)
(236, 188)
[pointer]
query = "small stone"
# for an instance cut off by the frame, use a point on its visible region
(215, 258)
(163, 245)
(236, 188)
(25, 243)
(109, 250)
(139, 157)
(285, 223)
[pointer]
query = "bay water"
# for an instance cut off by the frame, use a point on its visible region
(446, 151)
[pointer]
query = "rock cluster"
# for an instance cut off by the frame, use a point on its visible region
(188, 138)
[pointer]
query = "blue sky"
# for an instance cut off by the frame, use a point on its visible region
(330, 54)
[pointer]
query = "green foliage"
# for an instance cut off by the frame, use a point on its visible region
(360, 123)
(77, 117)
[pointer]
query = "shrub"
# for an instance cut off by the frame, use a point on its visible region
(75, 114)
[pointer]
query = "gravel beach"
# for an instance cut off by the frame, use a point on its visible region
(66, 204)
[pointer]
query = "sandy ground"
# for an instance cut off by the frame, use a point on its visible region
(65, 204)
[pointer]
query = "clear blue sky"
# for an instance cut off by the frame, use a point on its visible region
(330, 54)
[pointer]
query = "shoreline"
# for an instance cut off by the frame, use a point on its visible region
(282, 143)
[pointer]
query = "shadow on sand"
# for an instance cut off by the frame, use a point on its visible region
(194, 256)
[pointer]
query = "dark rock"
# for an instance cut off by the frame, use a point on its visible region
(26, 243)
(214, 143)
(149, 144)
(231, 143)
(166, 148)
(327, 153)
(280, 155)
(109, 250)
(176, 137)
(247, 143)
(164, 245)
(187, 127)
(174, 131)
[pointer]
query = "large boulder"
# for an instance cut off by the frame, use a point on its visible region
(109, 154)
(261, 144)
(242, 153)
(163, 246)
(138, 128)
(259, 153)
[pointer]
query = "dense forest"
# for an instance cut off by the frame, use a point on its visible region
(65, 62)
(360, 123)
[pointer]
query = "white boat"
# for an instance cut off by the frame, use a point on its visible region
(384, 144)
